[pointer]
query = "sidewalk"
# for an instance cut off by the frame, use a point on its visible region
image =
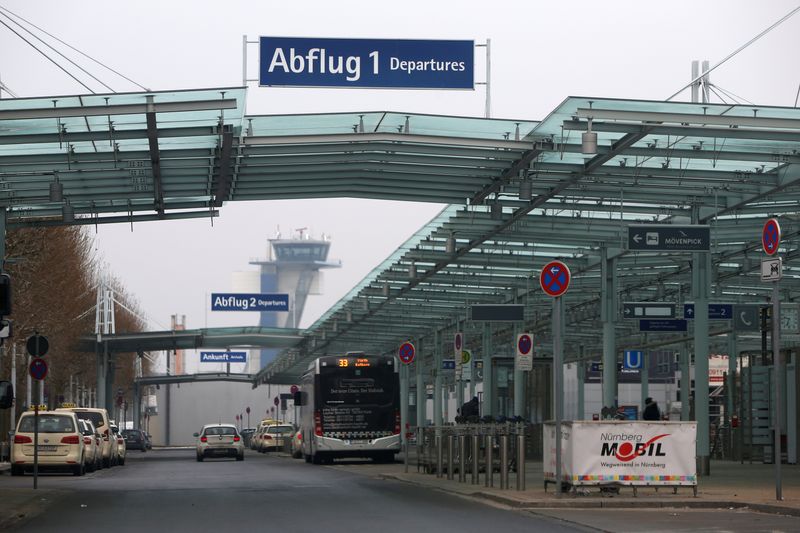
(730, 485)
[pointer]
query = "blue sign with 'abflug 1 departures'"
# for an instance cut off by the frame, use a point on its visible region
(223, 357)
(376, 63)
(249, 302)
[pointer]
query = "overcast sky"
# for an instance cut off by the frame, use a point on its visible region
(542, 52)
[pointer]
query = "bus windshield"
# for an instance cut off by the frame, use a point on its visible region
(357, 386)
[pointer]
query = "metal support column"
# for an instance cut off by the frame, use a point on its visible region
(488, 378)
(519, 385)
(701, 286)
(778, 368)
(421, 396)
(102, 368)
(403, 406)
(581, 415)
(645, 373)
(686, 381)
(437, 381)
(608, 315)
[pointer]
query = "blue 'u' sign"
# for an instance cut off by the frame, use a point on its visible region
(385, 63)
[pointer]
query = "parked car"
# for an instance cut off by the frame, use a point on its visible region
(219, 440)
(275, 436)
(297, 444)
(149, 441)
(92, 450)
(135, 439)
(119, 445)
(99, 418)
(60, 443)
(247, 434)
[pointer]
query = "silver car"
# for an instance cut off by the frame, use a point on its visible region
(219, 440)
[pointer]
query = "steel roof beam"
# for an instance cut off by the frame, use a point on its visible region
(155, 158)
(687, 131)
(118, 109)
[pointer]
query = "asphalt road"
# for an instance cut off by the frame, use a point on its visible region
(170, 491)
(167, 490)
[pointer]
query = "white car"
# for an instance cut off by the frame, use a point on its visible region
(119, 444)
(219, 440)
(274, 437)
(92, 451)
(60, 443)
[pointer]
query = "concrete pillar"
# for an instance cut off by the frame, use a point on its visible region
(686, 381)
(488, 379)
(644, 374)
(608, 315)
(731, 384)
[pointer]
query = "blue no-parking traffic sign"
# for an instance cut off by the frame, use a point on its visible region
(555, 278)
(771, 236)
(406, 353)
(38, 368)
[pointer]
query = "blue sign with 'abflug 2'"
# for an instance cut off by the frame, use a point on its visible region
(377, 63)
(223, 357)
(249, 302)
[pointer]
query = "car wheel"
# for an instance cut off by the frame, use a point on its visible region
(199, 458)
(144, 448)
(121, 461)
(240, 457)
(79, 470)
(106, 463)
(17, 470)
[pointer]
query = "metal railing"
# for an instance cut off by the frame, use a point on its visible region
(475, 449)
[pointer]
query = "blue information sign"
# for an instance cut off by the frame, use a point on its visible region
(633, 360)
(715, 311)
(662, 325)
(249, 302)
(223, 357)
(448, 364)
(386, 63)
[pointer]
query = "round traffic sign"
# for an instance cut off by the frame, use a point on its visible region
(277, 401)
(247, 410)
(524, 344)
(555, 278)
(406, 353)
(293, 389)
(771, 236)
(458, 342)
(466, 356)
(38, 368)
(37, 345)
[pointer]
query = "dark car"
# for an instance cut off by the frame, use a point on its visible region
(247, 434)
(135, 439)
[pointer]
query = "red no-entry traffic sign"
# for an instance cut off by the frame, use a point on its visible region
(771, 236)
(406, 353)
(555, 278)
(524, 344)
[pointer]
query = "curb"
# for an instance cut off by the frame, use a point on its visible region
(606, 503)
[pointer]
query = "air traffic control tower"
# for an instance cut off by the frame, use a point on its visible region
(292, 267)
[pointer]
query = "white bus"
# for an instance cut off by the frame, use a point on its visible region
(350, 407)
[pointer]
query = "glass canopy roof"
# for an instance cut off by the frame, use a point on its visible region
(518, 193)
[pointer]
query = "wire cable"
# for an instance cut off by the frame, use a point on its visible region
(745, 45)
(75, 49)
(68, 73)
(57, 52)
(4, 87)
(738, 99)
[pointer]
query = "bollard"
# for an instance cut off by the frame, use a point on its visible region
(438, 441)
(450, 450)
(462, 452)
(503, 461)
(521, 461)
(476, 450)
(489, 472)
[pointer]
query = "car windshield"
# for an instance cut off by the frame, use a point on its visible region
(131, 432)
(223, 430)
(47, 424)
(280, 429)
(96, 418)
